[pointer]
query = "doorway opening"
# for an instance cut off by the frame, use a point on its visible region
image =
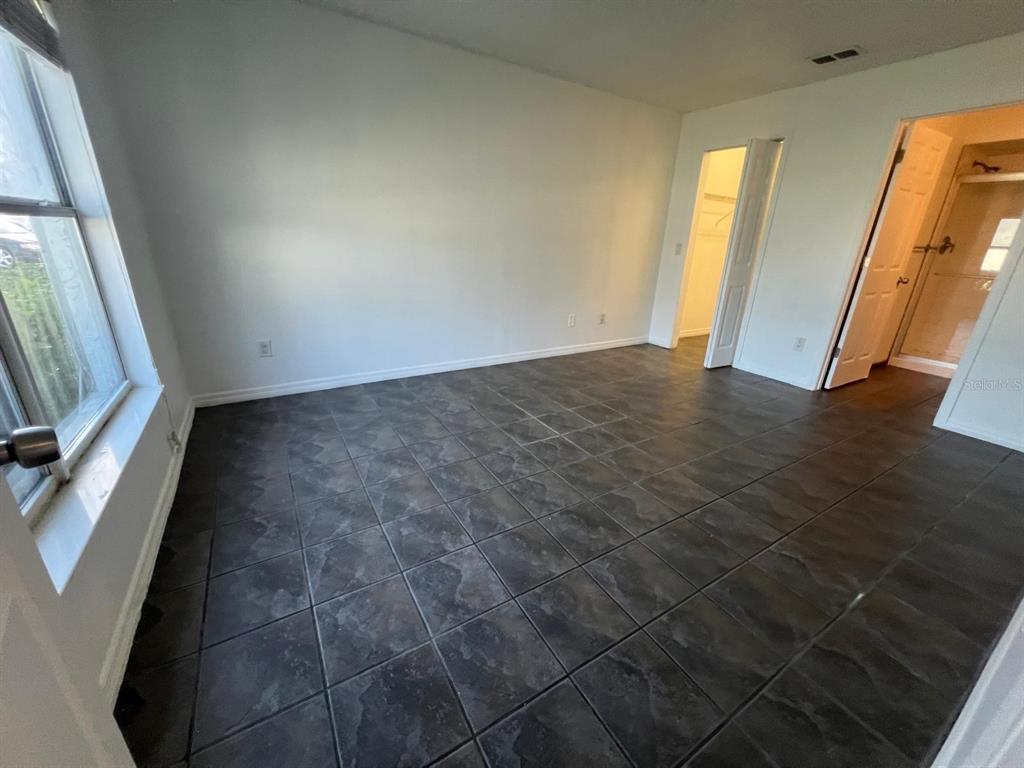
(734, 193)
(712, 222)
(952, 204)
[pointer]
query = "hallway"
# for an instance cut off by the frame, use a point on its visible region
(610, 558)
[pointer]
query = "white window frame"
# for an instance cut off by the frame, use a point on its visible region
(34, 506)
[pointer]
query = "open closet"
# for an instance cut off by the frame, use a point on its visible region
(716, 205)
(734, 196)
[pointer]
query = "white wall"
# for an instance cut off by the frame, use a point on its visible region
(369, 200)
(838, 134)
(986, 396)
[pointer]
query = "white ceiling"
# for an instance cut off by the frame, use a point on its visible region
(690, 54)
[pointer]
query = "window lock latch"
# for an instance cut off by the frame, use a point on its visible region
(30, 447)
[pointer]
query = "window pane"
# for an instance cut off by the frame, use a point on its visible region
(59, 319)
(994, 258)
(22, 481)
(25, 170)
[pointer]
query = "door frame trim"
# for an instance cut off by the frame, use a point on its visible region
(691, 237)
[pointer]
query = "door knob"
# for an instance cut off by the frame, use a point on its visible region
(30, 447)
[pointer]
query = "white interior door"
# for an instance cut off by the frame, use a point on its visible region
(759, 167)
(46, 719)
(881, 276)
(925, 154)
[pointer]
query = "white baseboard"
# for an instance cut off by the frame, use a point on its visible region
(120, 647)
(924, 365)
(694, 332)
(1007, 441)
(330, 382)
(775, 375)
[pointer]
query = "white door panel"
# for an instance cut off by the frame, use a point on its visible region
(756, 184)
(46, 719)
(730, 316)
(926, 152)
(878, 285)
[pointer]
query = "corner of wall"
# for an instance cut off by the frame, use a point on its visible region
(116, 660)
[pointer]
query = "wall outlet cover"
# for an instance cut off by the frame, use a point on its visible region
(265, 348)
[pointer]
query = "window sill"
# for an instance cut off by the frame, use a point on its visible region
(66, 526)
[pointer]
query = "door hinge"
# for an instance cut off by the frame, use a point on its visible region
(900, 154)
(835, 353)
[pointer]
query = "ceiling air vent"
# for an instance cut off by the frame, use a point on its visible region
(846, 53)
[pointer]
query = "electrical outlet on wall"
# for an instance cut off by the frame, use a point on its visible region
(601, 319)
(265, 348)
(798, 344)
(571, 322)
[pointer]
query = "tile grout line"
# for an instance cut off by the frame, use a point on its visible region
(423, 620)
(638, 538)
(554, 470)
(803, 648)
(199, 655)
(318, 640)
(474, 732)
(882, 422)
(567, 674)
(728, 717)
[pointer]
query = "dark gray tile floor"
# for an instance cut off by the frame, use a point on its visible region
(616, 558)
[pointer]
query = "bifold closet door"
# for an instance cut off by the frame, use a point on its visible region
(756, 184)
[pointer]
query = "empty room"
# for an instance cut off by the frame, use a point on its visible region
(507, 383)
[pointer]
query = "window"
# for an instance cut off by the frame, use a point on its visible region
(59, 363)
(1000, 245)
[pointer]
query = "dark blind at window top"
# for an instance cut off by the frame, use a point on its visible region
(24, 19)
